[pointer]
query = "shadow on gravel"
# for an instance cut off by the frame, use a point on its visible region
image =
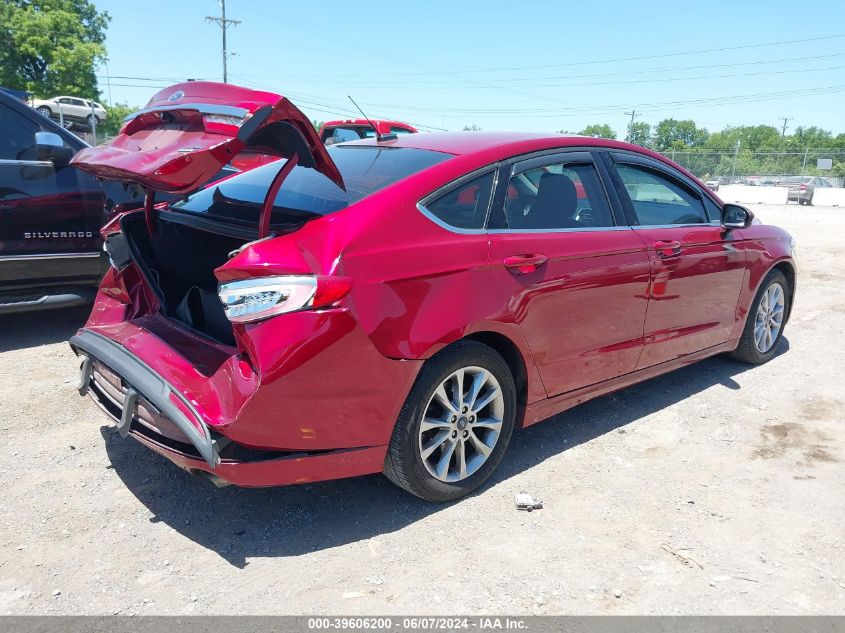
(30, 329)
(239, 523)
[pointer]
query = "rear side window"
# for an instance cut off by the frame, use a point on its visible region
(306, 193)
(659, 201)
(557, 196)
(465, 207)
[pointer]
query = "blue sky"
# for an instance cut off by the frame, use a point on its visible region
(541, 65)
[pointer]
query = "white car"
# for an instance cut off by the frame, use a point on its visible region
(73, 109)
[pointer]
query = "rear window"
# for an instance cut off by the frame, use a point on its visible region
(345, 133)
(306, 193)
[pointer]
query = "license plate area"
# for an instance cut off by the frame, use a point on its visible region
(112, 387)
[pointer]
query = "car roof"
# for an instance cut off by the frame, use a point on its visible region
(476, 149)
(514, 143)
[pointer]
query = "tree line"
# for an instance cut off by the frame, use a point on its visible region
(739, 150)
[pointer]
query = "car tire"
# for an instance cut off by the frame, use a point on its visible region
(91, 120)
(44, 111)
(463, 435)
(750, 349)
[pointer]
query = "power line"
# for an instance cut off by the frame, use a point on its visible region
(173, 79)
(644, 81)
(427, 85)
(643, 107)
(224, 24)
(501, 69)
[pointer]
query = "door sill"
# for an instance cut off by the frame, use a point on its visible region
(543, 409)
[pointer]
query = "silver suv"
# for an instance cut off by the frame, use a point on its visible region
(801, 188)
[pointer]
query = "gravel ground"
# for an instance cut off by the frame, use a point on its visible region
(717, 489)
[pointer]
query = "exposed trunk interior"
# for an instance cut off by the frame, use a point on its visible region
(179, 261)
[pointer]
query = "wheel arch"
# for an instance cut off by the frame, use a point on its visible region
(788, 270)
(508, 350)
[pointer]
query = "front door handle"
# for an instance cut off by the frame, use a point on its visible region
(523, 264)
(667, 248)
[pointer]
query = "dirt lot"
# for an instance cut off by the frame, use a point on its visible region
(717, 489)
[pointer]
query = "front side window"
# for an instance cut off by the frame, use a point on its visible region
(659, 201)
(557, 196)
(399, 131)
(465, 206)
(17, 135)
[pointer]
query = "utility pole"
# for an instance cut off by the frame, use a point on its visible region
(783, 129)
(633, 113)
(736, 155)
(224, 24)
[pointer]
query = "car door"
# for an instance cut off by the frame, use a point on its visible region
(697, 267)
(65, 108)
(577, 274)
(48, 213)
(80, 109)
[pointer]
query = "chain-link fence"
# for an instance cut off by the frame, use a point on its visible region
(744, 165)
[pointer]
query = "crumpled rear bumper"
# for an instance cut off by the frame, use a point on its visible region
(147, 407)
(142, 381)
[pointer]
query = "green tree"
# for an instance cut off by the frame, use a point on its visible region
(639, 134)
(51, 47)
(674, 134)
(757, 138)
(114, 119)
(810, 137)
(598, 130)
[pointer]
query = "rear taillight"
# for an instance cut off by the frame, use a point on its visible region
(250, 300)
(802, 187)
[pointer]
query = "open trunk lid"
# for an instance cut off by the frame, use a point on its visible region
(188, 131)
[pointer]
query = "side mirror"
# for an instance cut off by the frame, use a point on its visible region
(736, 217)
(50, 147)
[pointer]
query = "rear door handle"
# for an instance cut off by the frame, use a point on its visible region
(667, 248)
(523, 264)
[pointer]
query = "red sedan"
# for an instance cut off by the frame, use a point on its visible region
(355, 129)
(400, 306)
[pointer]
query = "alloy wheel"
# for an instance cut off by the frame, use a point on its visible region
(461, 424)
(769, 318)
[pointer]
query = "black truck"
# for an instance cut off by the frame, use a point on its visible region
(51, 251)
(50, 214)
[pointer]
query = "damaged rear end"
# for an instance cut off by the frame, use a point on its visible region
(186, 347)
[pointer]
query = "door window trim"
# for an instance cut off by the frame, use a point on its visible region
(560, 156)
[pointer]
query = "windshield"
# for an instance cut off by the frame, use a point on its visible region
(306, 193)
